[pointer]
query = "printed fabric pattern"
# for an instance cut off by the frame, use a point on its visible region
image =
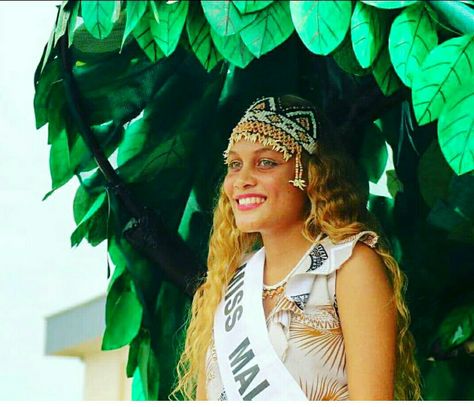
(304, 326)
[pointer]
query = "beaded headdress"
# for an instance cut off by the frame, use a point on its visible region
(287, 129)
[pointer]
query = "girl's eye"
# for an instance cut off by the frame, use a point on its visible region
(264, 162)
(232, 165)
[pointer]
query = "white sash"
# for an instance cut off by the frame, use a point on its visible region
(249, 366)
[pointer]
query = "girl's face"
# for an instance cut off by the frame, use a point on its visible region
(257, 186)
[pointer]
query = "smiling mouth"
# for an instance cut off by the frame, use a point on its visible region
(246, 204)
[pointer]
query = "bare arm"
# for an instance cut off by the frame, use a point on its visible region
(368, 321)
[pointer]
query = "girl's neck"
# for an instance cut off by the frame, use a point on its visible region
(283, 251)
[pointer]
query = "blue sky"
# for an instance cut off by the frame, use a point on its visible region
(39, 274)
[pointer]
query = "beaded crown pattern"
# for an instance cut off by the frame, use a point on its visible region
(286, 129)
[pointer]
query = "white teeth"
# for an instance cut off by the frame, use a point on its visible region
(250, 201)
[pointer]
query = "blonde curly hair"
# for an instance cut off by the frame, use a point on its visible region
(336, 207)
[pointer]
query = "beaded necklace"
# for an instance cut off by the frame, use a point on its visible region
(276, 289)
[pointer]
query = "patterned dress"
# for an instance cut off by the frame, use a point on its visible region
(304, 326)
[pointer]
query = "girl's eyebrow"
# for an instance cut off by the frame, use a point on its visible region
(260, 150)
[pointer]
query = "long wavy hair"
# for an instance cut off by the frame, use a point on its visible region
(336, 207)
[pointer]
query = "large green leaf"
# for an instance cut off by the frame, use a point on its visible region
(147, 373)
(59, 158)
(394, 185)
(47, 51)
(119, 88)
(93, 224)
(168, 154)
(412, 37)
(224, 17)
(233, 49)
(123, 314)
(133, 350)
(442, 74)
(144, 37)
(199, 34)
(368, 31)
(251, 6)
(385, 75)
(321, 25)
(192, 206)
(62, 22)
(138, 388)
(98, 17)
(373, 154)
(346, 59)
(134, 141)
(170, 314)
(72, 22)
(434, 174)
(49, 93)
(387, 4)
(69, 153)
(135, 11)
(168, 29)
(444, 217)
(456, 129)
(457, 327)
(272, 26)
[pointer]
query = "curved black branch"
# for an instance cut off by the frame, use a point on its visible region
(146, 232)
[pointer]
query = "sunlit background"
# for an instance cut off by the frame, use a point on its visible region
(40, 274)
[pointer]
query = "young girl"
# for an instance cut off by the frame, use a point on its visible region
(302, 299)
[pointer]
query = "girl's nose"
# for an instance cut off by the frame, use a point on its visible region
(245, 178)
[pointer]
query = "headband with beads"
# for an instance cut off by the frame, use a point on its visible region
(286, 129)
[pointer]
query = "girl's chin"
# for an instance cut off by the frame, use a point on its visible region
(247, 228)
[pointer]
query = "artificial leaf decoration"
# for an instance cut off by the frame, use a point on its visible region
(132, 361)
(457, 327)
(412, 37)
(98, 17)
(199, 34)
(346, 59)
(224, 17)
(88, 225)
(385, 75)
(144, 37)
(167, 31)
(321, 25)
(72, 22)
(367, 33)
(170, 309)
(62, 22)
(140, 377)
(135, 11)
(123, 314)
(272, 26)
(387, 4)
(456, 130)
(434, 174)
(59, 160)
(394, 185)
(461, 196)
(373, 154)
(233, 49)
(251, 6)
(47, 51)
(49, 93)
(442, 74)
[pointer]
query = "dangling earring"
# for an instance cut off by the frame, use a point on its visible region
(298, 182)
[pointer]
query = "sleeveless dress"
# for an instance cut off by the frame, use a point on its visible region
(304, 326)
